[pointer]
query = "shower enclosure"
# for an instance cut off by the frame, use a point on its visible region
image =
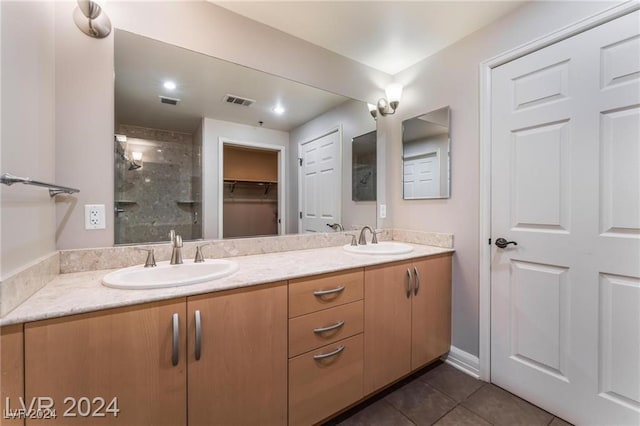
(158, 184)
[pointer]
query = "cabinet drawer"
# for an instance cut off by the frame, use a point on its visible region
(305, 332)
(319, 388)
(312, 294)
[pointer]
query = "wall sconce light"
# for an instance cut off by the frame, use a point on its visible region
(91, 19)
(387, 106)
(136, 160)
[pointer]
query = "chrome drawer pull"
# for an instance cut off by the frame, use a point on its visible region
(198, 335)
(329, 328)
(175, 353)
(319, 293)
(416, 286)
(330, 354)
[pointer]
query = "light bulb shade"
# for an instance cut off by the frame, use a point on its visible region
(137, 156)
(394, 92)
(91, 19)
(371, 107)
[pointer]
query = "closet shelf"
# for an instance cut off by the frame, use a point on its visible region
(266, 184)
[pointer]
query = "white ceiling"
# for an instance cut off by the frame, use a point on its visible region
(142, 65)
(387, 35)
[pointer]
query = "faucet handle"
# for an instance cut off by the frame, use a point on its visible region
(151, 259)
(172, 236)
(374, 236)
(199, 257)
(177, 243)
(353, 239)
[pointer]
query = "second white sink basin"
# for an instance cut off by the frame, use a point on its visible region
(383, 247)
(166, 275)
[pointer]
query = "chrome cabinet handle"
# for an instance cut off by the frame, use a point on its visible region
(409, 279)
(416, 285)
(330, 354)
(319, 293)
(329, 328)
(198, 335)
(175, 354)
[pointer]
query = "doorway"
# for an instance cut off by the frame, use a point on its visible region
(562, 195)
(251, 193)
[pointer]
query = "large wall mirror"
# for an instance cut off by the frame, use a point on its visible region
(426, 151)
(217, 150)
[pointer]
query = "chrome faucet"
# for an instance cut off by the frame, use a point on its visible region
(151, 260)
(176, 244)
(363, 240)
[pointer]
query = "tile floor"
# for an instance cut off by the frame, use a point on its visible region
(444, 396)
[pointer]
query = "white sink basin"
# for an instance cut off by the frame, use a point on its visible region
(383, 247)
(166, 275)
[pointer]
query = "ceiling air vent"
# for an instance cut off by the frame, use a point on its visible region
(237, 100)
(169, 101)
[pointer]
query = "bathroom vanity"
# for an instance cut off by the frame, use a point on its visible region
(285, 347)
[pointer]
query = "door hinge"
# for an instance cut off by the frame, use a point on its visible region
(489, 241)
(300, 161)
(300, 215)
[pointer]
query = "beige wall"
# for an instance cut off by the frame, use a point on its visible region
(451, 78)
(84, 82)
(27, 216)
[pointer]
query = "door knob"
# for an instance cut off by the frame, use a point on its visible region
(502, 243)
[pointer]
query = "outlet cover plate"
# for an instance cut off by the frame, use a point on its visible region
(94, 216)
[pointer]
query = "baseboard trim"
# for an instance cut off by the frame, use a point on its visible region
(463, 361)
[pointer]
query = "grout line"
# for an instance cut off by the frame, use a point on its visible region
(398, 410)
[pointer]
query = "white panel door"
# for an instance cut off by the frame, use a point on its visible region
(422, 176)
(565, 302)
(320, 187)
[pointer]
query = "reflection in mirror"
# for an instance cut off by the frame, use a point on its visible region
(426, 147)
(184, 121)
(363, 168)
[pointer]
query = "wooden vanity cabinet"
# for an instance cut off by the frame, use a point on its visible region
(326, 364)
(404, 328)
(238, 375)
(11, 371)
(124, 353)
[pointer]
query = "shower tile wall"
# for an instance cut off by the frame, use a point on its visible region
(165, 193)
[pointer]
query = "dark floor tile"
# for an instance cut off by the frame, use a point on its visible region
(380, 413)
(452, 382)
(499, 407)
(420, 402)
(559, 422)
(460, 416)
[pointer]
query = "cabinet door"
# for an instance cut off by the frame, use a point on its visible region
(431, 310)
(11, 374)
(387, 325)
(124, 353)
(240, 377)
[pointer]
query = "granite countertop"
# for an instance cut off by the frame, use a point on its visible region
(80, 292)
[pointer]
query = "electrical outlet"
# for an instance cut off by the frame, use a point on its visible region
(383, 211)
(94, 216)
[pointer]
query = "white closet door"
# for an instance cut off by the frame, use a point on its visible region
(320, 187)
(565, 320)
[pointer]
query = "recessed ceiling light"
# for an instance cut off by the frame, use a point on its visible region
(169, 85)
(279, 109)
